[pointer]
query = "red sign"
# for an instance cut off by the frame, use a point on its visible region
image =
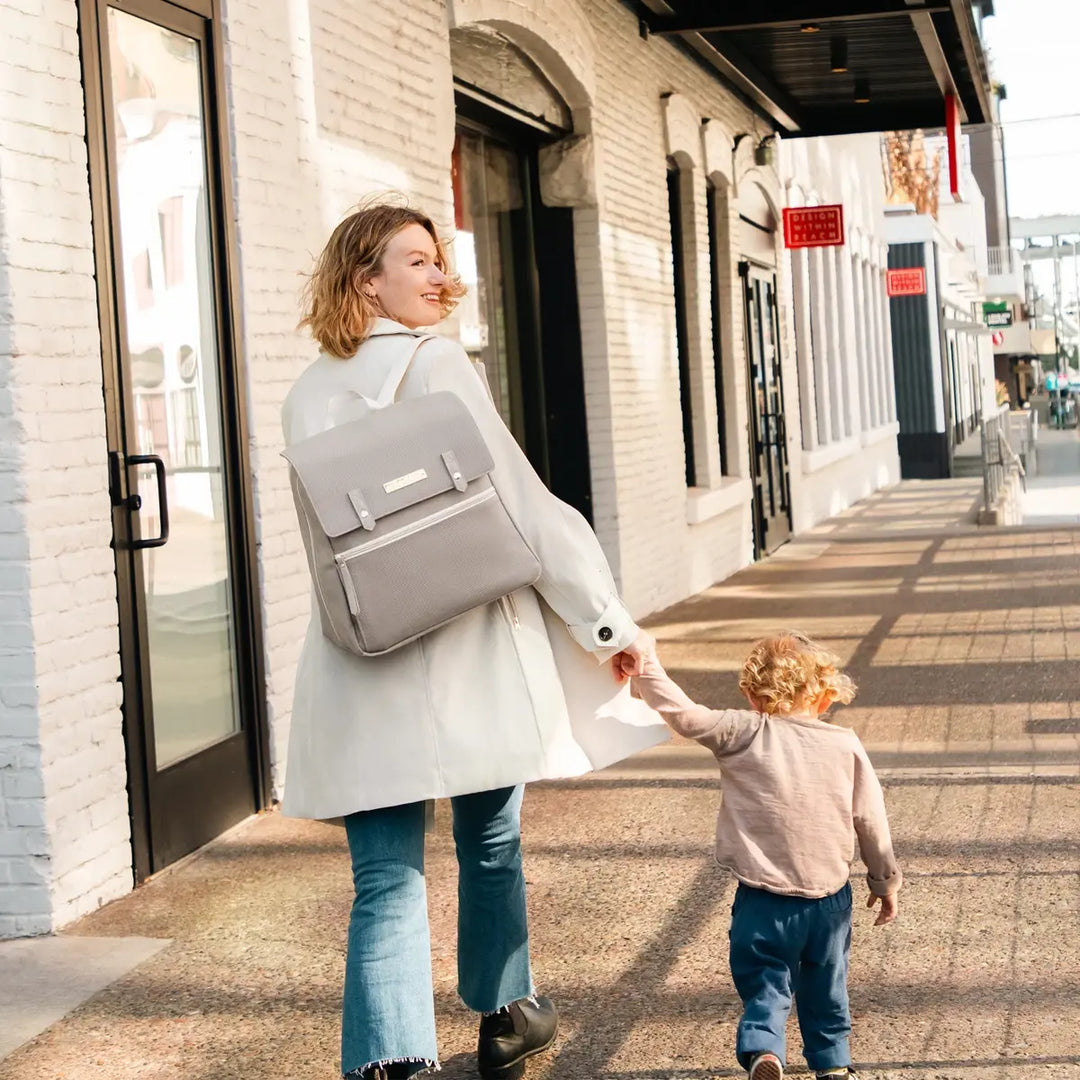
(952, 141)
(998, 337)
(813, 226)
(910, 282)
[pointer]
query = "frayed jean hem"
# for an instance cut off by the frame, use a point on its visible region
(422, 1065)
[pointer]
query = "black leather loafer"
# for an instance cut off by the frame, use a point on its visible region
(394, 1071)
(510, 1037)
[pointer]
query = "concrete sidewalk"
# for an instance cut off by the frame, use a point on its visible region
(963, 642)
(1052, 495)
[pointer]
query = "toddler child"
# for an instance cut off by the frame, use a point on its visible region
(797, 792)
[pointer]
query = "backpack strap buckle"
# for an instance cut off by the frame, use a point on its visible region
(363, 511)
(450, 460)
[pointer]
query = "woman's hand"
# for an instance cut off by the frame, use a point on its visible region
(632, 660)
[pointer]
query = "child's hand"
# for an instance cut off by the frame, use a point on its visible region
(888, 908)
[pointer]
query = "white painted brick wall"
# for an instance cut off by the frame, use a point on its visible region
(355, 101)
(330, 110)
(667, 559)
(64, 838)
(831, 488)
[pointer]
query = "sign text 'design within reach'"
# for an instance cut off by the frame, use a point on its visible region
(813, 226)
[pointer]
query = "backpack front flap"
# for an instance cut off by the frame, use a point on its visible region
(393, 458)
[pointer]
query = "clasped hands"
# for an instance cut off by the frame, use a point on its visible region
(632, 659)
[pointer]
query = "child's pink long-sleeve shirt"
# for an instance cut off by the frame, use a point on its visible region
(797, 791)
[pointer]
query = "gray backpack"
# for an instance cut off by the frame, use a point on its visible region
(403, 528)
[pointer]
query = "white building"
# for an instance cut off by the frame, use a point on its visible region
(942, 348)
(168, 171)
(841, 331)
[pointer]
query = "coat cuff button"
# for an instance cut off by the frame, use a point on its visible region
(604, 633)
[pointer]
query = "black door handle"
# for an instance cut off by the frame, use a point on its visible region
(163, 501)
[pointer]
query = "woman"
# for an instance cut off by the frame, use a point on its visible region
(503, 695)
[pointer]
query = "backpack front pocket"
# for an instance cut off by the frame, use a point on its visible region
(410, 580)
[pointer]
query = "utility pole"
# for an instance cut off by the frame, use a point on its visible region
(1057, 317)
(1057, 299)
(1076, 282)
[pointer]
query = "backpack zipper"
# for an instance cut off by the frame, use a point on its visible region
(417, 526)
(510, 607)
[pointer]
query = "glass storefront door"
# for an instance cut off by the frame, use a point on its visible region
(173, 436)
(171, 364)
(768, 437)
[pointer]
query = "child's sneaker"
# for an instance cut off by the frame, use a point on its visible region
(846, 1072)
(766, 1067)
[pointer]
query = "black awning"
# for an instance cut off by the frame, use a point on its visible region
(830, 67)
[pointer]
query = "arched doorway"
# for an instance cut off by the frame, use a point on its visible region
(765, 388)
(516, 254)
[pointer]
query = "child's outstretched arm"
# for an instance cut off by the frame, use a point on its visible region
(875, 841)
(715, 728)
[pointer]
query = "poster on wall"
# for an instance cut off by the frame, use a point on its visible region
(813, 226)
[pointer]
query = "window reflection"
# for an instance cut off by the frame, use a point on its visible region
(487, 192)
(171, 368)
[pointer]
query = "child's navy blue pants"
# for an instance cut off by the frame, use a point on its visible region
(787, 945)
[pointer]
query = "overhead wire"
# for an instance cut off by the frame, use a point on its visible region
(1034, 120)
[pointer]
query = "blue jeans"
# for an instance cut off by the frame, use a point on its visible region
(388, 1012)
(784, 945)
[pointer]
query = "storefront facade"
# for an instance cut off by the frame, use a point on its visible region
(841, 329)
(167, 177)
(942, 348)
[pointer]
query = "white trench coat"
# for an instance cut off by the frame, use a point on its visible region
(515, 691)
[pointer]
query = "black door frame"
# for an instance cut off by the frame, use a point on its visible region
(149, 795)
(758, 439)
(548, 318)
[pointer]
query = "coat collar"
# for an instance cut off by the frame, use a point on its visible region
(388, 326)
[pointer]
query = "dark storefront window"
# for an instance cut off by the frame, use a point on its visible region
(717, 252)
(520, 316)
(677, 218)
(490, 199)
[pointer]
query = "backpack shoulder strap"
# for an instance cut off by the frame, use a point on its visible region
(389, 389)
(482, 372)
(397, 373)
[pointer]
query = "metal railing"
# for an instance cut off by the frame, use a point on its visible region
(1023, 436)
(1008, 441)
(1002, 260)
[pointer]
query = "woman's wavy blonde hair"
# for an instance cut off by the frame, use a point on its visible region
(336, 310)
(788, 672)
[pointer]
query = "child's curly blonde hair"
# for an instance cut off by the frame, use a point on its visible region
(788, 672)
